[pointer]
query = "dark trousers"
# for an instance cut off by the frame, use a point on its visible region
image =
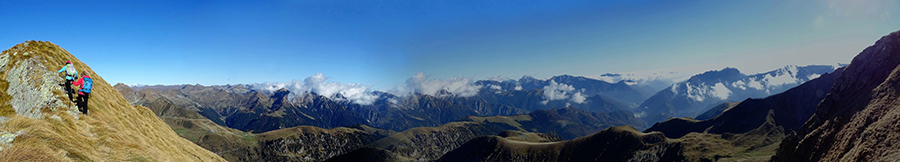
(83, 102)
(69, 90)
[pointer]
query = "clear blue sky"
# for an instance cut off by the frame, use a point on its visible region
(382, 43)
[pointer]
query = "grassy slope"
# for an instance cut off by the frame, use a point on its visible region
(193, 126)
(113, 131)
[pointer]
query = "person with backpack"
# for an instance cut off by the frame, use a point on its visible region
(84, 92)
(71, 75)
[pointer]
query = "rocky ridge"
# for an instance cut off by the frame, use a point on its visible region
(49, 128)
(858, 120)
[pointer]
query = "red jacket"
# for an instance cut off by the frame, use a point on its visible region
(79, 82)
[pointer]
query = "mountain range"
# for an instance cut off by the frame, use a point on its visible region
(237, 121)
(186, 105)
(789, 109)
(694, 96)
(795, 113)
(847, 115)
(250, 110)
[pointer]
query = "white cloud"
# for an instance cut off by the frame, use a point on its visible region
(696, 93)
(419, 83)
(518, 87)
(497, 87)
(578, 98)
(739, 84)
(556, 91)
(640, 115)
(675, 88)
(561, 91)
(394, 101)
(755, 84)
(356, 93)
(720, 91)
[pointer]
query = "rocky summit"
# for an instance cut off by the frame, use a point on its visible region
(38, 122)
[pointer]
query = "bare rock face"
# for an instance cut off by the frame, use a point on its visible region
(858, 121)
(31, 84)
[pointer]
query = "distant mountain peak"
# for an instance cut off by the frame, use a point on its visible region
(728, 73)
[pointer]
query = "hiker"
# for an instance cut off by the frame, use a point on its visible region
(71, 75)
(84, 92)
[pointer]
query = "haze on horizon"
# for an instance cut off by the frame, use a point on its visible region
(383, 44)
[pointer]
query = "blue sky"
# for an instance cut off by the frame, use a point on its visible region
(382, 43)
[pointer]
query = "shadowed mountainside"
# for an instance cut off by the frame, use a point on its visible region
(567, 123)
(858, 120)
(612, 144)
(624, 143)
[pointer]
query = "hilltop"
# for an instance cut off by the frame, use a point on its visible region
(34, 106)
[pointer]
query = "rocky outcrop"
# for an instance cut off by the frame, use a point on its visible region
(30, 84)
(858, 120)
(48, 127)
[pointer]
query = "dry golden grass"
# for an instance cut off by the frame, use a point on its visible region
(113, 131)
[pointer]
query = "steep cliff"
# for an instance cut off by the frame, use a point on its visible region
(858, 120)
